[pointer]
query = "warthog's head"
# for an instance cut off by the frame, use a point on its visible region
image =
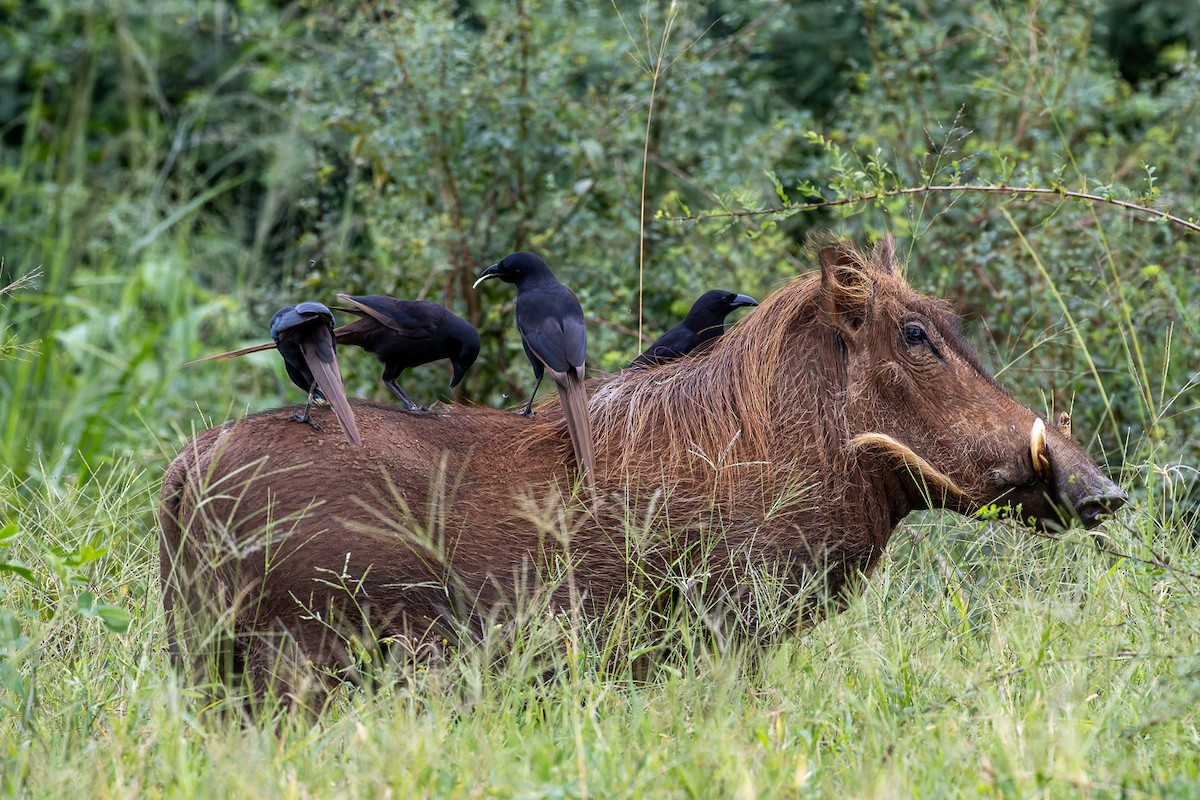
(920, 402)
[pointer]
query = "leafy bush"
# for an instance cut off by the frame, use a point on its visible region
(443, 140)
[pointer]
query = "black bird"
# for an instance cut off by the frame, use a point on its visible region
(303, 334)
(703, 323)
(406, 333)
(401, 334)
(554, 336)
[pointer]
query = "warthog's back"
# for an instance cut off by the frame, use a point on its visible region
(270, 525)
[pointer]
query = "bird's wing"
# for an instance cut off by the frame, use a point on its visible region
(575, 332)
(321, 358)
(545, 340)
(414, 319)
(257, 348)
(552, 327)
(290, 318)
(668, 347)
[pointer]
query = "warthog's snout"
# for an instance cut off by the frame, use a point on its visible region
(1093, 500)
(1067, 485)
(1078, 483)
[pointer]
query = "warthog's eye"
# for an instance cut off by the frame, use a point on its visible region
(915, 335)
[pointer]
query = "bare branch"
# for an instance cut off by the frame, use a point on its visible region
(918, 190)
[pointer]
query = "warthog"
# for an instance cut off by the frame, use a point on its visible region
(797, 443)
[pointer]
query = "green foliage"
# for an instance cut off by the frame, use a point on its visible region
(141, 164)
(67, 564)
(442, 141)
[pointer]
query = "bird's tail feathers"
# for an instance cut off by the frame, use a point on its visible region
(321, 358)
(257, 348)
(363, 310)
(573, 395)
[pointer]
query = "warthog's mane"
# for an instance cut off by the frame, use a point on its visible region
(764, 405)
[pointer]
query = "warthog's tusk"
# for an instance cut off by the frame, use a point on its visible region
(1064, 424)
(930, 473)
(1038, 451)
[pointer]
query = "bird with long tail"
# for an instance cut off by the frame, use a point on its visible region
(554, 336)
(407, 333)
(401, 334)
(303, 334)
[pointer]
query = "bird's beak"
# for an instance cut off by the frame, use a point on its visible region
(491, 272)
(743, 300)
(459, 372)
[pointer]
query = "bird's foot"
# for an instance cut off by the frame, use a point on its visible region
(419, 410)
(403, 398)
(529, 412)
(305, 416)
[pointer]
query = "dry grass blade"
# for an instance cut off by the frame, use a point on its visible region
(26, 281)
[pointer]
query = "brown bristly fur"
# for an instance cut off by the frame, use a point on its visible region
(731, 411)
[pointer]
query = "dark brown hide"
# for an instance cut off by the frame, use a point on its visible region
(797, 443)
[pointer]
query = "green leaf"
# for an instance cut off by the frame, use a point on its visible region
(18, 569)
(11, 679)
(779, 190)
(88, 554)
(12, 637)
(116, 619)
(86, 602)
(8, 531)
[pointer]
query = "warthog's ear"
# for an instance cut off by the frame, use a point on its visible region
(884, 257)
(846, 285)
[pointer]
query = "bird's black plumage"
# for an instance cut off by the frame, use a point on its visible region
(554, 336)
(303, 334)
(407, 333)
(702, 325)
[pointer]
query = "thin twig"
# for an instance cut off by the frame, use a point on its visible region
(618, 327)
(916, 190)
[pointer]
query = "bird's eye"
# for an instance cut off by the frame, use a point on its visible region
(915, 335)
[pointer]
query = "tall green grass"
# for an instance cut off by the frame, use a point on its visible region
(123, 193)
(979, 660)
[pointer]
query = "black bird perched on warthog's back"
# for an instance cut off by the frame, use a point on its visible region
(401, 334)
(303, 334)
(554, 336)
(703, 324)
(407, 333)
